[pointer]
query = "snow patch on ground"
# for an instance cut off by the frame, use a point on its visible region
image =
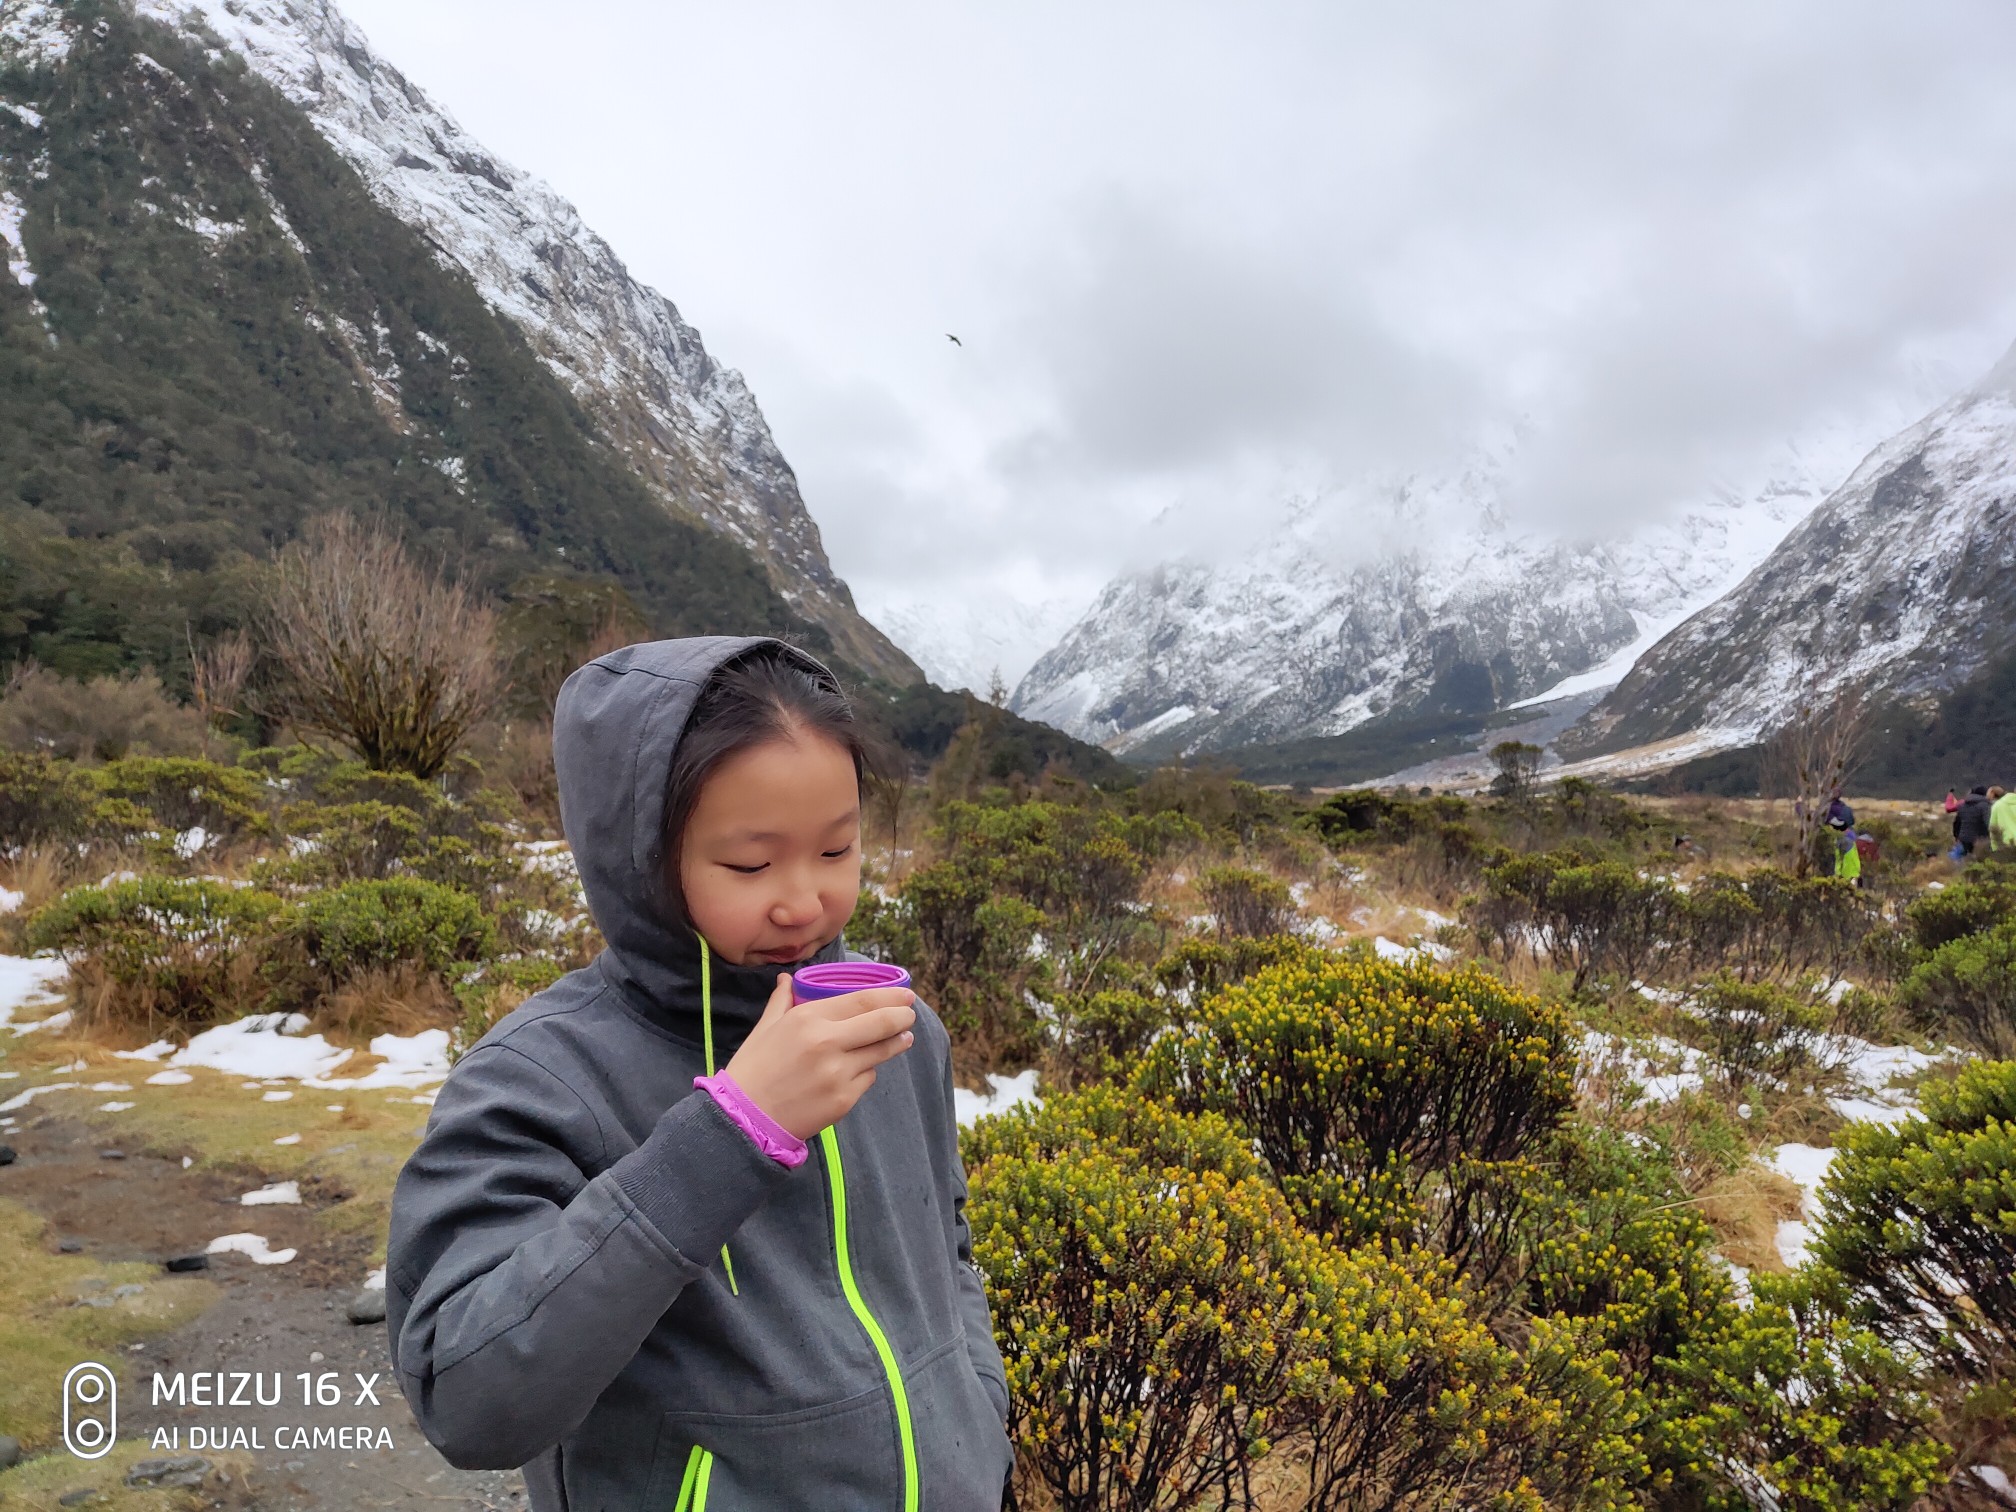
(261, 1045)
(22, 1099)
(280, 1192)
(29, 982)
(1004, 1092)
(253, 1246)
(1392, 950)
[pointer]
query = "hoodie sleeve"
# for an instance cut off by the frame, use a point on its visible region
(518, 1286)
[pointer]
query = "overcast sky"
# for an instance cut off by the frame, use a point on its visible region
(1211, 255)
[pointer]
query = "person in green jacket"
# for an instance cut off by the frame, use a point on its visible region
(2002, 821)
(1847, 856)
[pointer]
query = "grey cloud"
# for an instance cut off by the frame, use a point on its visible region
(1207, 258)
(1165, 348)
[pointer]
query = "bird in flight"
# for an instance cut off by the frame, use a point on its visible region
(954, 339)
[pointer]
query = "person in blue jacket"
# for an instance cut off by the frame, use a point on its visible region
(670, 1241)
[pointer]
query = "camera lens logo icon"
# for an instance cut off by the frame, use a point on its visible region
(90, 1410)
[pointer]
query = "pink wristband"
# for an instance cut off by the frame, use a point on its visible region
(771, 1137)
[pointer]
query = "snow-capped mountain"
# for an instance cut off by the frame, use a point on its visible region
(970, 644)
(1903, 581)
(689, 427)
(1402, 597)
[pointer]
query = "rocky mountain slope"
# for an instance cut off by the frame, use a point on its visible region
(1401, 600)
(210, 331)
(687, 426)
(1903, 581)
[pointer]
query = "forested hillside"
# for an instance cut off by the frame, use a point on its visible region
(213, 333)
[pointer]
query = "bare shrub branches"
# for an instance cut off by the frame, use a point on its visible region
(217, 675)
(1813, 755)
(372, 650)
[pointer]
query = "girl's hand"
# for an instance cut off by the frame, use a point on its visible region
(807, 1066)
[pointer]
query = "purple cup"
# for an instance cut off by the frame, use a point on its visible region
(836, 978)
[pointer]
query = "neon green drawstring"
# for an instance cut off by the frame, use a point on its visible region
(707, 1038)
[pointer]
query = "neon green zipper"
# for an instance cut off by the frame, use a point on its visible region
(837, 1177)
(693, 1487)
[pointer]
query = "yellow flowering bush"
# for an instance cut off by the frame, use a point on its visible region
(1795, 1406)
(1392, 1101)
(1153, 1321)
(1166, 1321)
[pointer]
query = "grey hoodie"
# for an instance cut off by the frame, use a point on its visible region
(556, 1288)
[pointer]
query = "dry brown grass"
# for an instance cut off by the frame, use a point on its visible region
(38, 872)
(136, 1013)
(401, 1000)
(1745, 1208)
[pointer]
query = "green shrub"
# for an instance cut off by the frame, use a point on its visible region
(1767, 924)
(184, 951)
(1968, 989)
(347, 842)
(1198, 967)
(1973, 905)
(1583, 916)
(334, 936)
(1100, 1032)
(1165, 1321)
(1754, 1034)
(1577, 806)
(1363, 815)
(184, 793)
(1697, 1135)
(501, 986)
(1247, 905)
(388, 824)
(1082, 868)
(1919, 1225)
(42, 800)
(1391, 1101)
(1792, 1402)
(1613, 1241)
(972, 947)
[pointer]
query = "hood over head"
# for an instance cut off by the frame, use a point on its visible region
(615, 727)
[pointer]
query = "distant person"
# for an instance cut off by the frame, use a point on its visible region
(1847, 854)
(2002, 821)
(1952, 800)
(1838, 815)
(1970, 822)
(1868, 852)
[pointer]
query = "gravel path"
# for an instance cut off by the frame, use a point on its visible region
(276, 1321)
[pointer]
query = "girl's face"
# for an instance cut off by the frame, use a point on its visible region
(771, 860)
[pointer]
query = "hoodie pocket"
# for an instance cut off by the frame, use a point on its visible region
(963, 1453)
(844, 1456)
(838, 1454)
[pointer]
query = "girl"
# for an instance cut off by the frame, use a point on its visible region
(670, 1242)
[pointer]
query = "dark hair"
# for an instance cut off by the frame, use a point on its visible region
(767, 694)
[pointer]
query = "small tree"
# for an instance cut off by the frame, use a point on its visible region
(1247, 905)
(1518, 764)
(1813, 755)
(374, 651)
(217, 675)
